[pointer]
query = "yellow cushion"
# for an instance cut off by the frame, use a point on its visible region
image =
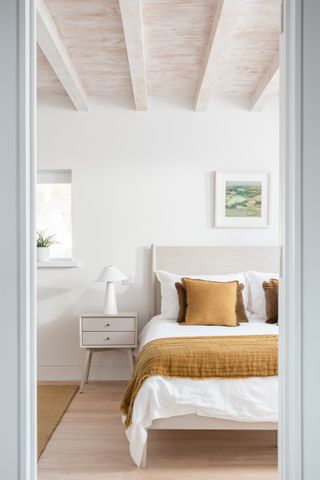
(241, 313)
(210, 303)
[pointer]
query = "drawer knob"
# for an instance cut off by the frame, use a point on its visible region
(107, 325)
(106, 339)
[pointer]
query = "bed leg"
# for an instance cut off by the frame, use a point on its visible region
(143, 463)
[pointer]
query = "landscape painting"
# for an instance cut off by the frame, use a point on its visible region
(243, 199)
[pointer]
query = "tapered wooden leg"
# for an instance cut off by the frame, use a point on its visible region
(131, 359)
(86, 369)
(89, 366)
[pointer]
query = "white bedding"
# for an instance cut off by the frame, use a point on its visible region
(161, 327)
(252, 399)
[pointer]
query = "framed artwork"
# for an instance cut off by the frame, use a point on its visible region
(242, 200)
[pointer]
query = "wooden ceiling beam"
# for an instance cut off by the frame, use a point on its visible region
(51, 44)
(267, 87)
(132, 21)
(226, 15)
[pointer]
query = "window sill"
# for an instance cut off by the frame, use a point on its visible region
(59, 264)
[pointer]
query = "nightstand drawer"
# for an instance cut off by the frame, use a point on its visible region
(108, 324)
(107, 338)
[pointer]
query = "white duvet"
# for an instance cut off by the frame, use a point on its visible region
(253, 399)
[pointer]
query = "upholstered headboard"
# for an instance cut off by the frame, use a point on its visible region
(209, 260)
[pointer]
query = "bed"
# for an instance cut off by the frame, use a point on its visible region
(185, 403)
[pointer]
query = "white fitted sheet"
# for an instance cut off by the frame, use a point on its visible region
(252, 399)
(161, 327)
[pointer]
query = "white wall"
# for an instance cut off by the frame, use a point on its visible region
(139, 178)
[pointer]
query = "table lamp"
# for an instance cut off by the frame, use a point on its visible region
(110, 275)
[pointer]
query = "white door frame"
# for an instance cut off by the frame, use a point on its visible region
(17, 158)
(290, 419)
(27, 183)
(290, 446)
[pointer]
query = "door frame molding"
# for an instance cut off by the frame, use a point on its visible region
(290, 445)
(290, 337)
(27, 249)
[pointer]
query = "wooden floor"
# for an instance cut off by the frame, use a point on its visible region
(90, 444)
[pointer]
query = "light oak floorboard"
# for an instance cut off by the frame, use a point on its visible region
(90, 444)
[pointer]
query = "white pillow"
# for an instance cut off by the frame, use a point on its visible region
(257, 299)
(169, 297)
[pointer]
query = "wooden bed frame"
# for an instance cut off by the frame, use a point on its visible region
(205, 261)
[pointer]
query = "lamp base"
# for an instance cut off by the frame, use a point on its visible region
(110, 302)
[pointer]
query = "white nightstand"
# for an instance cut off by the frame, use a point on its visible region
(106, 332)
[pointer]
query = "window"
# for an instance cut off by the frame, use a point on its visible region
(54, 209)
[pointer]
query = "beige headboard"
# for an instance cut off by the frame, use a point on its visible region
(209, 260)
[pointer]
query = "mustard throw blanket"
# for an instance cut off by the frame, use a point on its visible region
(203, 357)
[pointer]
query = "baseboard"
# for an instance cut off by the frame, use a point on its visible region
(74, 372)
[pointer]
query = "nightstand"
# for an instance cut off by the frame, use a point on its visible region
(100, 332)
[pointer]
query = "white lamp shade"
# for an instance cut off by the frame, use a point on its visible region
(110, 274)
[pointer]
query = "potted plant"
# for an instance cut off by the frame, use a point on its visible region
(43, 243)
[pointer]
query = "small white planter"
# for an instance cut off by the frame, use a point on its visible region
(43, 254)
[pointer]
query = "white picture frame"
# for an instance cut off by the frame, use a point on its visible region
(253, 211)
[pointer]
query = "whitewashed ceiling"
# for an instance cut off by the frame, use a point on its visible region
(140, 48)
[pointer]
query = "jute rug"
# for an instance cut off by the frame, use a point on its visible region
(53, 402)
